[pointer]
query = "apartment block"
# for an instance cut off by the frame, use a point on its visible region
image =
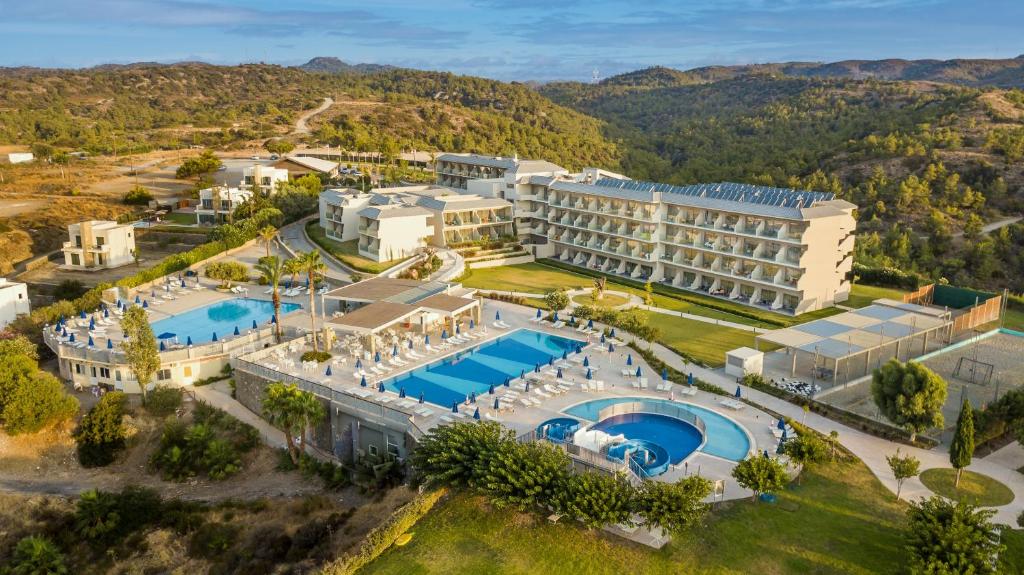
(393, 231)
(99, 244)
(490, 176)
(266, 177)
(216, 204)
(13, 301)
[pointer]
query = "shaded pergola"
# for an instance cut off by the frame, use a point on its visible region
(850, 345)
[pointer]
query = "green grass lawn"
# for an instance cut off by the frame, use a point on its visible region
(347, 252)
(974, 487)
(180, 218)
(607, 300)
(1014, 318)
(698, 340)
(841, 520)
(862, 296)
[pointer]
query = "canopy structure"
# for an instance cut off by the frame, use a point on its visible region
(850, 345)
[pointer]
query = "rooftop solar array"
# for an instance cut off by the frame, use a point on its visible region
(747, 193)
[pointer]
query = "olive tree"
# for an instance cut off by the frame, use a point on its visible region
(910, 395)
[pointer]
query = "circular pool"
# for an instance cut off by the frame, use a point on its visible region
(676, 437)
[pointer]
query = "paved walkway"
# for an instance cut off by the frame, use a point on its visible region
(293, 237)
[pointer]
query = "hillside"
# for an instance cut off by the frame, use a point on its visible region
(926, 162)
(332, 65)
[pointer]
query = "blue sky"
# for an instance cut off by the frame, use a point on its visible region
(505, 39)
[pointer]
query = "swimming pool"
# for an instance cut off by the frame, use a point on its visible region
(677, 439)
(723, 437)
(221, 318)
(452, 379)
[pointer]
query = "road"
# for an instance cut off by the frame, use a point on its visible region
(294, 237)
(302, 126)
(988, 228)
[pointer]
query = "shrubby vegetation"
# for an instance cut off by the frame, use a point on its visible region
(101, 434)
(137, 196)
(631, 320)
(910, 395)
(212, 445)
(951, 537)
(486, 458)
(227, 272)
(30, 398)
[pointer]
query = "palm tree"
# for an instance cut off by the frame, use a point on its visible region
(314, 267)
(267, 234)
(272, 271)
(293, 267)
(293, 411)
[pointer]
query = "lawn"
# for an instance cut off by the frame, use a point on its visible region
(1014, 318)
(862, 295)
(841, 520)
(347, 252)
(180, 218)
(974, 487)
(607, 300)
(704, 342)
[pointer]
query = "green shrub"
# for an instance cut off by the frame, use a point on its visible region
(36, 556)
(69, 290)
(317, 356)
(211, 446)
(228, 271)
(103, 518)
(137, 196)
(101, 433)
(212, 539)
(163, 400)
(30, 399)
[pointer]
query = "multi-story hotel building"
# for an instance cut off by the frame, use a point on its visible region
(216, 204)
(489, 176)
(99, 244)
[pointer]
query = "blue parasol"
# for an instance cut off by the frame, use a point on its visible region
(590, 373)
(72, 339)
(110, 344)
(426, 339)
(328, 372)
(639, 372)
(611, 348)
(254, 326)
(92, 323)
(401, 392)
(394, 351)
(527, 388)
(555, 317)
(689, 379)
(781, 424)
(458, 329)
(273, 319)
(421, 397)
(376, 357)
(106, 313)
(214, 336)
(362, 381)
(167, 335)
(738, 391)
(444, 334)
(579, 349)
(497, 315)
(138, 299)
(476, 414)
(565, 355)
(472, 397)
(410, 344)
(490, 389)
(586, 361)
(380, 387)
(508, 382)
(162, 346)
(183, 283)
(236, 331)
(612, 332)
(91, 342)
(590, 324)
(455, 407)
(145, 304)
(536, 368)
(664, 374)
(189, 341)
(471, 323)
(359, 364)
(539, 315)
(551, 360)
(558, 374)
(497, 405)
(629, 359)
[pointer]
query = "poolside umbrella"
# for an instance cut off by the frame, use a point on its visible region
(273, 319)
(565, 355)
(613, 332)
(145, 304)
(590, 324)
(602, 337)
(72, 339)
(781, 424)
(471, 323)
(586, 361)
(214, 336)
(152, 293)
(538, 313)
(497, 405)
(376, 357)
(426, 339)
(629, 359)
(81, 314)
(91, 342)
(394, 351)
(359, 364)
(92, 323)
(555, 318)
(110, 344)
(765, 454)
(781, 448)
(458, 329)
(590, 373)
(166, 335)
(664, 374)
(472, 397)
(536, 368)
(738, 393)
(421, 397)
(362, 381)
(183, 283)
(476, 414)
(138, 300)
(689, 379)
(611, 348)
(162, 346)
(236, 331)
(508, 382)
(455, 407)
(189, 341)
(497, 315)
(490, 389)
(551, 360)
(106, 312)
(522, 373)
(527, 388)
(380, 387)
(410, 344)
(444, 334)
(167, 287)
(559, 373)
(579, 349)
(401, 392)
(639, 372)
(328, 372)
(785, 436)
(254, 326)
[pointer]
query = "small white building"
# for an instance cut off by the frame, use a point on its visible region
(20, 157)
(744, 360)
(99, 244)
(13, 301)
(393, 231)
(266, 177)
(218, 203)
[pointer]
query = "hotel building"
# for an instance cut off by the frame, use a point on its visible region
(13, 301)
(99, 244)
(216, 204)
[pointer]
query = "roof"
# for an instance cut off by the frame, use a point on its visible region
(382, 213)
(374, 316)
(456, 202)
(478, 160)
(745, 352)
(388, 289)
(446, 303)
(526, 166)
(841, 335)
(312, 163)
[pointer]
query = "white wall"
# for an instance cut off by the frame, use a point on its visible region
(13, 301)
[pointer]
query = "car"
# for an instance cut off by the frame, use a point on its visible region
(274, 157)
(222, 169)
(254, 158)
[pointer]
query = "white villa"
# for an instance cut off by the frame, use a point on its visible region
(13, 301)
(266, 177)
(217, 203)
(99, 244)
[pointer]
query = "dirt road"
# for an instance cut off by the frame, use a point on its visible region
(302, 126)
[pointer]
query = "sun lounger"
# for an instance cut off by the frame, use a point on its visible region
(536, 319)
(525, 402)
(626, 372)
(687, 390)
(446, 419)
(559, 324)
(490, 417)
(502, 324)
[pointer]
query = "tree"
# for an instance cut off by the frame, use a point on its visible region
(314, 267)
(293, 267)
(951, 537)
(760, 474)
(267, 234)
(594, 499)
(457, 455)
(903, 467)
(557, 300)
(674, 506)
(804, 450)
(36, 555)
(292, 411)
(599, 287)
(272, 270)
(833, 443)
(961, 449)
(30, 398)
(69, 290)
(140, 348)
(648, 293)
(137, 196)
(101, 433)
(202, 165)
(910, 395)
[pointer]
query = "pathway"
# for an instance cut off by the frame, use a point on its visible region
(293, 238)
(988, 228)
(302, 125)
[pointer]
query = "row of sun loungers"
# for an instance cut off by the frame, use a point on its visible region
(732, 404)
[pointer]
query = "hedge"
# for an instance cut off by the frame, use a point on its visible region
(383, 536)
(887, 277)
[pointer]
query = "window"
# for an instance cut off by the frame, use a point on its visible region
(99, 241)
(373, 450)
(94, 371)
(163, 374)
(74, 260)
(117, 375)
(78, 368)
(188, 371)
(105, 372)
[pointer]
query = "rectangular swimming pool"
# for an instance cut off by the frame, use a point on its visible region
(454, 378)
(221, 318)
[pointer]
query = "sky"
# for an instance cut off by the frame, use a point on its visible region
(505, 39)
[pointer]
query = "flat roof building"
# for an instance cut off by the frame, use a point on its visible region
(99, 244)
(266, 177)
(216, 204)
(13, 301)
(299, 166)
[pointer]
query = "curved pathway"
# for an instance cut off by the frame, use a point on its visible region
(302, 123)
(293, 238)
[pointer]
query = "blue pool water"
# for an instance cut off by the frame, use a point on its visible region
(452, 379)
(724, 438)
(677, 439)
(221, 317)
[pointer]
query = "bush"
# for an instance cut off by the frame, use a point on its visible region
(317, 356)
(69, 290)
(228, 271)
(36, 556)
(887, 277)
(101, 433)
(516, 299)
(333, 476)
(211, 446)
(163, 400)
(104, 518)
(30, 399)
(211, 540)
(137, 196)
